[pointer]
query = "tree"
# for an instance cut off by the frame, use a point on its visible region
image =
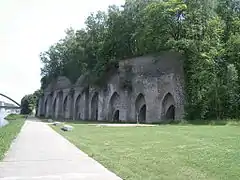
(27, 104)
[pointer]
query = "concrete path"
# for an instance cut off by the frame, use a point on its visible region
(42, 154)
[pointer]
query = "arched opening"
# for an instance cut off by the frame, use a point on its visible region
(168, 108)
(54, 108)
(77, 108)
(65, 107)
(140, 109)
(47, 106)
(142, 114)
(116, 116)
(170, 114)
(94, 107)
(114, 105)
(71, 104)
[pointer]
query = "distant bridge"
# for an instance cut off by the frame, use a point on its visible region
(10, 107)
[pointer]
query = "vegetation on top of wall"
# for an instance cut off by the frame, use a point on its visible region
(206, 32)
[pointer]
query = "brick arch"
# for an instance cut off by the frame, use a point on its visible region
(48, 105)
(168, 107)
(54, 107)
(141, 108)
(114, 105)
(65, 106)
(94, 106)
(77, 107)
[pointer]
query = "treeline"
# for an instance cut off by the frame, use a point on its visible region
(30, 102)
(206, 32)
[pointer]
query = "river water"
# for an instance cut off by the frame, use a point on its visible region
(3, 114)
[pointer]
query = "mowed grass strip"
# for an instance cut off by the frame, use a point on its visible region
(162, 152)
(7, 134)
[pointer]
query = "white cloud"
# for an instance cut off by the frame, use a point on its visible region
(31, 26)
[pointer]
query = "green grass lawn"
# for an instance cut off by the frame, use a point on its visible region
(162, 152)
(15, 116)
(7, 134)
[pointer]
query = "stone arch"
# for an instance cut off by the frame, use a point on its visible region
(114, 104)
(94, 107)
(54, 107)
(47, 106)
(168, 108)
(77, 108)
(116, 116)
(141, 108)
(71, 104)
(65, 106)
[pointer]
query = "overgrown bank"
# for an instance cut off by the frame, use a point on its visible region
(7, 135)
(206, 32)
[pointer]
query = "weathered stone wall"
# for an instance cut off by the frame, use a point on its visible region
(145, 89)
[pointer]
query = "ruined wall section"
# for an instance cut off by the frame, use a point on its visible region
(149, 76)
(154, 77)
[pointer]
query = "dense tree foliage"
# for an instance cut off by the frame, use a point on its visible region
(206, 32)
(30, 102)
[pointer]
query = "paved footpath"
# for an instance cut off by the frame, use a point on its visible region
(42, 154)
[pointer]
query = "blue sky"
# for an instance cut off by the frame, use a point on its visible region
(28, 27)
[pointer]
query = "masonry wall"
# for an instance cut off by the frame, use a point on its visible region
(148, 88)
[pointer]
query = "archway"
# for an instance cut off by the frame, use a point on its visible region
(54, 108)
(94, 107)
(140, 108)
(142, 114)
(114, 105)
(170, 114)
(71, 105)
(77, 108)
(116, 116)
(46, 107)
(168, 108)
(65, 107)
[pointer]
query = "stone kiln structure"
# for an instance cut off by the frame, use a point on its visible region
(145, 89)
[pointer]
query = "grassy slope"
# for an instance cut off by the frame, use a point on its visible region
(7, 134)
(162, 152)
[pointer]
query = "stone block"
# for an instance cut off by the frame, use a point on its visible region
(57, 123)
(50, 120)
(67, 128)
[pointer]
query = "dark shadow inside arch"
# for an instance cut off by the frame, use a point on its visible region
(46, 106)
(116, 116)
(140, 109)
(54, 108)
(168, 108)
(142, 114)
(77, 108)
(113, 106)
(170, 114)
(65, 104)
(94, 107)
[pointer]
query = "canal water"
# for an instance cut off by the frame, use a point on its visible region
(3, 114)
